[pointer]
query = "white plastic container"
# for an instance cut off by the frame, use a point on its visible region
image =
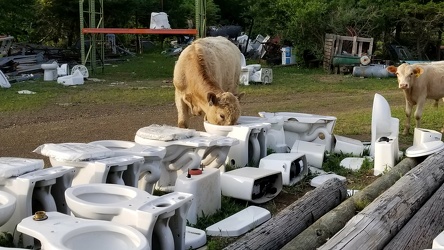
(206, 191)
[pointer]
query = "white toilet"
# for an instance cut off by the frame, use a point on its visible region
(306, 127)
(185, 149)
(252, 135)
(94, 163)
(34, 188)
(49, 71)
(153, 155)
(162, 219)
(57, 231)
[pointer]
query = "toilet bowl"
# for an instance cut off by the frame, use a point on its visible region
(252, 136)
(162, 219)
(34, 189)
(49, 71)
(306, 127)
(7, 206)
(63, 232)
(185, 149)
(150, 169)
(94, 163)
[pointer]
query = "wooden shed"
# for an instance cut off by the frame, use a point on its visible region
(347, 50)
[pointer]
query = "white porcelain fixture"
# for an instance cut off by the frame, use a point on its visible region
(34, 188)
(345, 145)
(205, 186)
(438, 242)
(314, 152)
(293, 166)
(320, 179)
(383, 124)
(185, 149)
(7, 206)
(386, 151)
(252, 136)
(153, 155)
(425, 142)
(63, 232)
(162, 219)
(195, 238)
(306, 127)
(75, 79)
(49, 71)
(257, 185)
(94, 163)
(240, 222)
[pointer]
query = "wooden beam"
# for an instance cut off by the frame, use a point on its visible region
(276, 232)
(139, 31)
(380, 221)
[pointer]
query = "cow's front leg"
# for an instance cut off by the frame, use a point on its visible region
(418, 111)
(183, 115)
(408, 112)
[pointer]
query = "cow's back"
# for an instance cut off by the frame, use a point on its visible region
(215, 59)
(432, 81)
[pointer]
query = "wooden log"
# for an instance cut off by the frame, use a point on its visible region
(423, 227)
(329, 224)
(283, 227)
(380, 221)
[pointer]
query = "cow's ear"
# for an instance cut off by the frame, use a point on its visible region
(418, 71)
(392, 69)
(212, 99)
(240, 95)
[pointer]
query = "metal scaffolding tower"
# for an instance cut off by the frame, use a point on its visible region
(93, 11)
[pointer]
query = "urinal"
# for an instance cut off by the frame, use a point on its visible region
(162, 219)
(306, 127)
(252, 136)
(57, 231)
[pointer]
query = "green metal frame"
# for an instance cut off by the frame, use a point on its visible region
(96, 42)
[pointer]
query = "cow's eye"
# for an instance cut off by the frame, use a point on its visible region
(222, 117)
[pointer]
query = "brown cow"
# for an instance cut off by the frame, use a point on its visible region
(419, 82)
(206, 80)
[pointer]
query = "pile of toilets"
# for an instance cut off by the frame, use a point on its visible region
(100, 195)
(52, 71)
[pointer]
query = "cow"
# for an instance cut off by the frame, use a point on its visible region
(206, 81)
(419, 82)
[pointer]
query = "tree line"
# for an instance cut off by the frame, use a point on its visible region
(417, 24)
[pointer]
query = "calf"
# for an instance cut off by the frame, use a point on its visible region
(419, 82)
(206, 80)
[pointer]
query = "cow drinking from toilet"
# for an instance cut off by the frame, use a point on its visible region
(419, 82)
(206, 80)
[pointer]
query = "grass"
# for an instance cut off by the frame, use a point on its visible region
(148, 77)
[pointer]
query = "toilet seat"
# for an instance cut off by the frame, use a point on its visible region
(60, 231)
(161, 219)
(7, 206)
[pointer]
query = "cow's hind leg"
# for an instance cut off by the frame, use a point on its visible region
(183, 115)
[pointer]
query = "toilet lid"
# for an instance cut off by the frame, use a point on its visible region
(424, 149)
(165, 133)
(74, 151)
(13, 166)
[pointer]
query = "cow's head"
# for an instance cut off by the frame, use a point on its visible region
(224, 108)
(406, 74)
